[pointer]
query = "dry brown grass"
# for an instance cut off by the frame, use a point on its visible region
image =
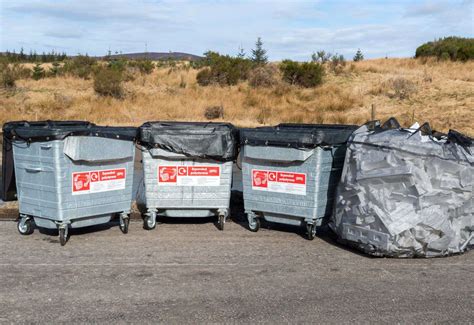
(444, 96)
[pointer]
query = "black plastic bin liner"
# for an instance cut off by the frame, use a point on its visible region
(48, 131)
(217, 141)
(59, 130)
(297, 135)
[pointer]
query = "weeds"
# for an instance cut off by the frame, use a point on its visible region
(263, 76)
(214, 112)
(401, 88)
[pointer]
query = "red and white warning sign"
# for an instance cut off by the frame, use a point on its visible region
(97, 181)
(278, 181)
(189, 175)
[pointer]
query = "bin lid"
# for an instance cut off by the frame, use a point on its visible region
(297, 135)
(58, 130)
(208, 140)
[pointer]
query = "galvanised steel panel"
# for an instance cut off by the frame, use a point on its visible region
(322, 167)
(44, 177)
(189, 201)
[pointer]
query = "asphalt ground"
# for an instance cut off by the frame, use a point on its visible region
(187, 271)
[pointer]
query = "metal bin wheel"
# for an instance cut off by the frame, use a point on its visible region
(254, 223)
(221, 221)
(25, 226)
(63, 235)
(149, 222)
(311, 230)
(124, 222)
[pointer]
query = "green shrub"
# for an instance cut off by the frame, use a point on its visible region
(108, 82)
(55, 70)
(82, 66)
(306, 74)
(38, 72)
(223, 70)
(118, 64)
(144, 66)
(204, 77)
(454, 48)
(166, 63)
(321, 56)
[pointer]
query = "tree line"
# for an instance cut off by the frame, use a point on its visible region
(33, 57)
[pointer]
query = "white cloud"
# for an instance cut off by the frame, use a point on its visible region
(290, 29)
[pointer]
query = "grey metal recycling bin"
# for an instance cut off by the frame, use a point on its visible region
(70, 174)
(290, 172)
(187, 169)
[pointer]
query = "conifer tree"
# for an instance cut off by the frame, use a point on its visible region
(259, 54)
(38, 72)
(358, 56)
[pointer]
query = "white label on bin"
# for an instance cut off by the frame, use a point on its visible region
(278, 181)
(189, 175)
(97, 181)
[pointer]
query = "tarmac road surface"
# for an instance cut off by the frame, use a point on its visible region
(187, 273)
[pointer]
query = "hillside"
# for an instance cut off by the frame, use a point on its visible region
(441, 93)
(159, 56)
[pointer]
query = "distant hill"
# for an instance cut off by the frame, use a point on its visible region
(159, 56)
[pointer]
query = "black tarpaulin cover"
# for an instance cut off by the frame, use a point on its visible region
(58, 130)
(216, 141)
(297, 135)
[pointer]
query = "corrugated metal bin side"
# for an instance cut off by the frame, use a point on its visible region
(187, 169)
(46, 188)
(169, 196)
(322, 169)
(290, 173)
(71, 174)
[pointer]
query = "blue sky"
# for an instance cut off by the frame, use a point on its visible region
(289, 29)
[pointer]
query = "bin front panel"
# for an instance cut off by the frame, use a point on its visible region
(294, 188)
(53, 186)
(180, 182)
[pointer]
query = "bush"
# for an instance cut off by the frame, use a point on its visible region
(454, 48)
(204, 77)
(144, 66)
(321, 56)
(21, 71)
(81, 66)
(306, 74)
(119, 64)
(223, 70)
(263, 76)
(10, 73)
(8, 76)
(214, 112)
(337, 64)
(108, 82)
(38, 72)
(401, 88)
(55, 70)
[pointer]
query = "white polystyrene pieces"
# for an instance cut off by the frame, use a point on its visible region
(405, 195)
